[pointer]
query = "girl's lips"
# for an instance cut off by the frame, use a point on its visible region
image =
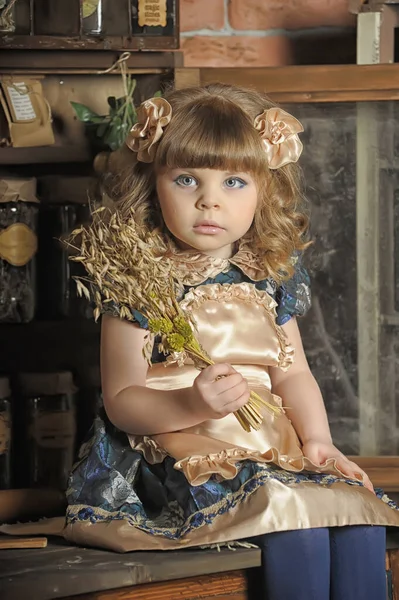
(208, 229)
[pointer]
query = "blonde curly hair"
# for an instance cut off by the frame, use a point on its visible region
(212, 127)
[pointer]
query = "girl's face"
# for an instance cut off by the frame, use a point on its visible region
(207, 209)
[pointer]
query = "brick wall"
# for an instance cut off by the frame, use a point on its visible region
(243, 33)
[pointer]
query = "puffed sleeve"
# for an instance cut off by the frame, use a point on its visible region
(112, 309)
(293, 296)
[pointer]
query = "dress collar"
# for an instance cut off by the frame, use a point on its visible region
(193, 267)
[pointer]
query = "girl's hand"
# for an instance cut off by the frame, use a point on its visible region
(319, 452)
(218, 391)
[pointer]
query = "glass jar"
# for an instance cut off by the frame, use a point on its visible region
(50, 427)
(92, 17)
(57, 292)
(7, 16)
(56, 18)
(5, 434)
(18, 246)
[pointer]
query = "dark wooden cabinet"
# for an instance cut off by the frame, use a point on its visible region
(89, 25)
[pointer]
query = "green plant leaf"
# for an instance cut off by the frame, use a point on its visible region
(102, 129)
(84, 113)
(158, 94)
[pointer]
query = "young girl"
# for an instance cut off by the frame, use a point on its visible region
(170, 466)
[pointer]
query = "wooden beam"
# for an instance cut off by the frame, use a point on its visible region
(118, 43)
(319, 83)
(382, 470)
(60, 62)
(187, 78)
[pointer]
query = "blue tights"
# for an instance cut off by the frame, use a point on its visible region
(341, 563)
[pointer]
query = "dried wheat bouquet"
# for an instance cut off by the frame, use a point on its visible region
(128, 266)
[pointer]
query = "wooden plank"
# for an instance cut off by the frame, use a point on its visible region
(119, 43)
(231, 586)
(314, 83)
(89, 61)
(382, 470)
(187, 78)
(62, 571)
(26, 543)
(324, 97)
(394, 564)
(45, 155)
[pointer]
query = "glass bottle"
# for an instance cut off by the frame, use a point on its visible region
(57, 294)
(18, 245)
(50, 427)
(92, 17)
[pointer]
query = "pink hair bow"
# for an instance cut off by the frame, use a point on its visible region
(152, 116)
(279, 132)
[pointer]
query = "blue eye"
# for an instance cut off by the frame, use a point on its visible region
(185, 180)
(235, 183)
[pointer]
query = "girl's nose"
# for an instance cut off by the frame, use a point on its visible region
(207, 201)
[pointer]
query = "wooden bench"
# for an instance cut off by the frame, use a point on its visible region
(65, 572)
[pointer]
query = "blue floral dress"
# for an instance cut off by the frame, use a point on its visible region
(211, 484)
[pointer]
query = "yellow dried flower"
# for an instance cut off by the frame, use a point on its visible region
(175, 342)
(183, 327)
(160, 326)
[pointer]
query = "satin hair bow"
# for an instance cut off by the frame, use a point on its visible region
(152, 116)
(279, 132)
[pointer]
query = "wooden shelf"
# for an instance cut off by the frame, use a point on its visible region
(49, 345)
(119, 43)
(44, 155)
(60, 62)
(305, 84)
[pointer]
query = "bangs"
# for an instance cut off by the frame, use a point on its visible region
(212, 135)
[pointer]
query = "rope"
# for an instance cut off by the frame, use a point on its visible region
(121, 61)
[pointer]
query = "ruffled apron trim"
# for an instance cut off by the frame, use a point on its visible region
(226, 464)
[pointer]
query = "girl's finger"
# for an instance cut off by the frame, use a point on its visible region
(233, 394)
(226, 383)
(352, 471)
(313, 456)
(218, 370)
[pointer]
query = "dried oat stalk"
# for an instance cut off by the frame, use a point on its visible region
(128, 266)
